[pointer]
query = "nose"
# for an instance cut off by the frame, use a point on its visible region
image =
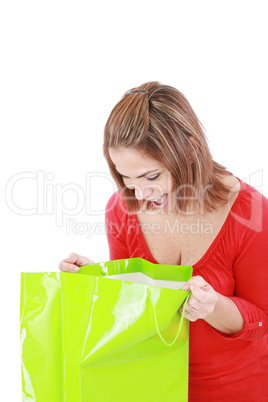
(142, 193)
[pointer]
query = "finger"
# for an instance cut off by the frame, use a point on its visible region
(187, 307)
(195, 304)
(203, 301)
(194, 281)
(66, 267)
(204, 295)
(78, 260)
(186, 286)
(194, 312)
(201, 308)
(190, 313)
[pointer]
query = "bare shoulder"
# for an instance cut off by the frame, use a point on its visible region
(234, 186)
(232, 183)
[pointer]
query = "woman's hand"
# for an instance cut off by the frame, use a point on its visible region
(217, 310)
(202, 300)
(73, 262)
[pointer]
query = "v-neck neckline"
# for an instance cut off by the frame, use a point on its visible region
(212, 246)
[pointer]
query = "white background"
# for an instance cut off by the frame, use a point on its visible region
(64, 65)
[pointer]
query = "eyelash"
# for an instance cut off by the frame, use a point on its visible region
(148, 178)
(153, 178)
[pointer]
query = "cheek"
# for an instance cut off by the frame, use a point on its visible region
(173, 185)
(170, 183)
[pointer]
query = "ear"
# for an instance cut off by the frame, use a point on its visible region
(193, 148)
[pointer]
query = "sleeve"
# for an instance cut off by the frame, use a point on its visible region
(251, 275)
(115, 221)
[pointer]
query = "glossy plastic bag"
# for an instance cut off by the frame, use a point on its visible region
(89, 338)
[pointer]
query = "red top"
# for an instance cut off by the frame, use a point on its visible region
(221, 367)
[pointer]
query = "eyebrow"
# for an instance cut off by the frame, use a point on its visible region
(138, 177)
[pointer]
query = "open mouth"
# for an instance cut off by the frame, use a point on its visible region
(160, 202)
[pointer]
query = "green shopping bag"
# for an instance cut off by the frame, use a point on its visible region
(85, 337)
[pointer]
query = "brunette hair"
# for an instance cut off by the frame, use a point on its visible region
(158, 120)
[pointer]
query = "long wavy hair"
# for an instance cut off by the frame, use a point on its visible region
(158, 121)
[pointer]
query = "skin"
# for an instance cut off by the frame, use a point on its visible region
(149, 179)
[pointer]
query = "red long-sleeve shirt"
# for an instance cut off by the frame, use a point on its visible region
(221, 367)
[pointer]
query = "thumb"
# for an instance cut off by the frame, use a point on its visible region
(78, 260)
(186, 286)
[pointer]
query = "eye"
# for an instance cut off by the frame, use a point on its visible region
(123, 177)
(154, 177)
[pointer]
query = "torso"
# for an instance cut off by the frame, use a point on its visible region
(183, 240)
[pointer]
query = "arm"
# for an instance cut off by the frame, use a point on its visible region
(245, 314)
(226, 316)
(251, 295)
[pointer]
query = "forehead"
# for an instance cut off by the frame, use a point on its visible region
(129, 160)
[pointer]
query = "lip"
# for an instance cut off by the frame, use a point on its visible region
(160, 206)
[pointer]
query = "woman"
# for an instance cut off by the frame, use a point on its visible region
(175, 205)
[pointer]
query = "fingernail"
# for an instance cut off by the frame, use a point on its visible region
(76, 269)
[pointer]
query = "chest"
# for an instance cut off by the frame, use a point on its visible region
(180, 241)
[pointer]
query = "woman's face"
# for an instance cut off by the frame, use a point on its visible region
(149, 179)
